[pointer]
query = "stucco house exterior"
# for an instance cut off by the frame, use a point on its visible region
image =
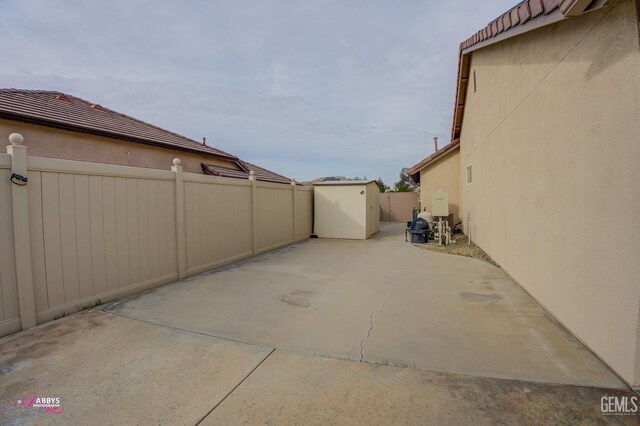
(58, 125)
(547, 117)
(439, 171)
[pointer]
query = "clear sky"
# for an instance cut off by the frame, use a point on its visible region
(305, 88)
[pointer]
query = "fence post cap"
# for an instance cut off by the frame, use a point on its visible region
(16, 139)
(293, 181)
(177, 162)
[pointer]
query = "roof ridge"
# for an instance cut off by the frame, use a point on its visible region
(146, 123)
(14, 89)
(115, 122)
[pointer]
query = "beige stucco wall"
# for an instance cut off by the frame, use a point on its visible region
(58, 143)
(553, 134)
(443, 174)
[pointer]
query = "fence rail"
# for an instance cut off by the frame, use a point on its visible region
(80, 232)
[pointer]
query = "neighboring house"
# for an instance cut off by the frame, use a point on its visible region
(439, 171)
(261, 173)
(547, 115)
(57, 125)
(326, 179)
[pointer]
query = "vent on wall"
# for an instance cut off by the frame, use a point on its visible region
(475, 86)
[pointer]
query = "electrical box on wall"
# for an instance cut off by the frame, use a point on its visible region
(440, 203)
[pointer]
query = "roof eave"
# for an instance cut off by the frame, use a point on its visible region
(562, 10)
(414, 171)
(104, 133)
(538, 22)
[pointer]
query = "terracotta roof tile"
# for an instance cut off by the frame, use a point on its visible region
(506, 21)
(524, 12)
(65, 111)
(494, 29)
(550, 5)
(536, 8)
(515, 17)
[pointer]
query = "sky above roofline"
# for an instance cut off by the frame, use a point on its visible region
(305, 89)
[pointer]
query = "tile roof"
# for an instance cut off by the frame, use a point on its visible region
(325, 179)
(261, 173)
(414, 170)
(525, 16)
(69, 112)
(515, 17)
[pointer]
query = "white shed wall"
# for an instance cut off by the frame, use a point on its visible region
(340, 212)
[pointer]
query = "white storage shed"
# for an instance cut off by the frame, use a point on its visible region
(347, 209)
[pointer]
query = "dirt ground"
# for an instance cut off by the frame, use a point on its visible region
(461, 247)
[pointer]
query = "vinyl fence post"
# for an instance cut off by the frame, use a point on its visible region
(181, 224)
(254, 212)
(21, 241)
(293, 197)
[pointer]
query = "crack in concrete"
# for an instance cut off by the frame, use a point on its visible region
(362, 342)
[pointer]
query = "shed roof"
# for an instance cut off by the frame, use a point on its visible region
(348, 183)
(60, 110)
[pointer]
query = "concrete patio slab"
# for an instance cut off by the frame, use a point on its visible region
(294, 388)
(383, 301)
(111, 370)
